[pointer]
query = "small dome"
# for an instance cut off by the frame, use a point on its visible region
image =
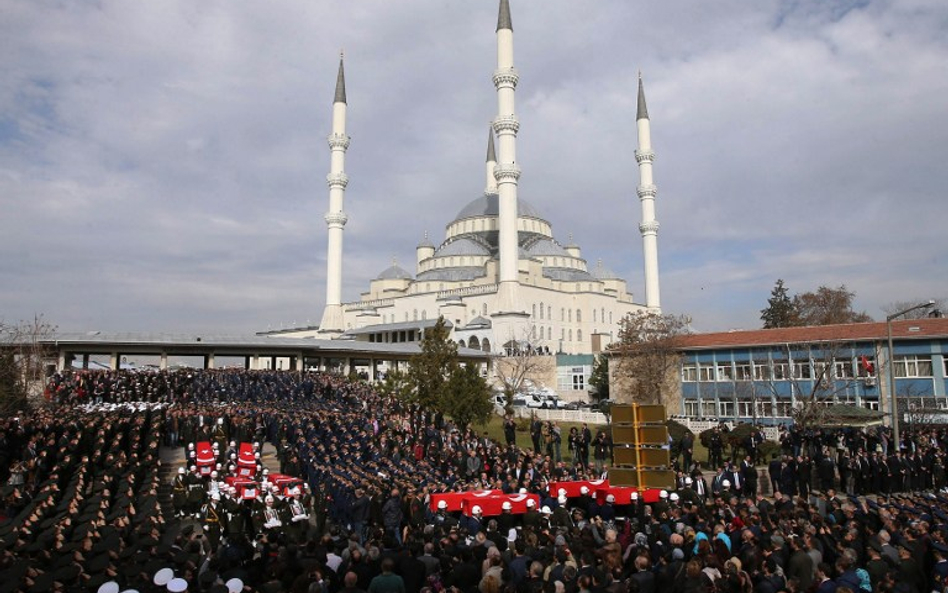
(601, 272)
(426, 242)
(547, 247)
(394, 272)
(462, 246)
(488, 206)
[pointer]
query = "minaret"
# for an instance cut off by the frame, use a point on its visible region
(647, 190)
(332, 321)
(506, 172)
(491, 188)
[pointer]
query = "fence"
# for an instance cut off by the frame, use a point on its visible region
(577, 416)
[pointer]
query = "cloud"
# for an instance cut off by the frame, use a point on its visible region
(162, 166)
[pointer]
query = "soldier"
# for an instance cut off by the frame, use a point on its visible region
(267, 519)
(236, 523)
(298, 518)
(179, 492)
(531, 518)
(196, 493)
(220, 434)
(213, 516)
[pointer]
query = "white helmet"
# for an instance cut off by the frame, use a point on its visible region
(610, 498)
(674, 497)
(506, 506)
(634, 497)
(531, 503)
(214, 474)
(180, 470)
(269, 498)
(561, 492)
(663, 493)
(215, 496)
(546, 510)
(688, 481)
(726, 483)
(523, 491)
(561, 499)
(476, 510)
(220, 420)
(442, 504)
(584, 490)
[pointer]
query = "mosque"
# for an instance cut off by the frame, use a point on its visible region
(500, 278)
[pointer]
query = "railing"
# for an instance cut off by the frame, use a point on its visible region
(362, 305)
(577, 416)
(467, 291)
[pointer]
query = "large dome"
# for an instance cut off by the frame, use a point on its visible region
(486, 206)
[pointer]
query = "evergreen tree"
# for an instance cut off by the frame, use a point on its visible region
(781, 310)
(599, 379)
(468, 396)
(429, 371)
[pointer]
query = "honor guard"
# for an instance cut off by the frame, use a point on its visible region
(212, 516)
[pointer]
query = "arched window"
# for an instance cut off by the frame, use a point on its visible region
(549, 312)
(579, 316)
(594, 316)
(562, 334)
(424, 314)
(602, 314)
(485, 309)
(570, 335)
(579, 335)
(534, 315)
(474, 343)
(461, 344)
(610, 316)
(569, 315)
(562, 314)
(414, 315)
(541, 310)
(485, 345)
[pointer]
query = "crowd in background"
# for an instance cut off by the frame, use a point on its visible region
(81, 501)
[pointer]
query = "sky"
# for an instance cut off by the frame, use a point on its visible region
(163, 164)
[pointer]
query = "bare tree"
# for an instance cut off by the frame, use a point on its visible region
(819, 375)
(22, 362)
(522, 360)
(647, 355)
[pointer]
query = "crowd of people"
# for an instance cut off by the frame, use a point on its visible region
(81, 510)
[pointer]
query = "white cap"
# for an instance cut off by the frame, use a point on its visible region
(109, 587)
(214, 474)
(523, 491)
(442, 504)
(726, 483)
(674, 497)
(190, 446)
(220, 420)
(512, 534)
(234, 585)
(506, 506)
(269, 498)
(180, 470)
(663, 493)
(215, 496)
(561, 492)
(610, 498)
(634, 496)
(266, 472)
(546, 510)
(163, 576)
(531, 503)
(561, 499)
(130, 591)
(475, 510)
(583, 490)
(688, 481)
(177, 585)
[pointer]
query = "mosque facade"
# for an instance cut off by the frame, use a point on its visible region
(500, 277)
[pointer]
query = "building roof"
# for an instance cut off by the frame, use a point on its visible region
(567, 274)
(503, 16)
(478, 322)
(491, 154)
(910, 329)
(452, 274)
(426, 242)
(642, 108)
(488, 206)
(547, 247)
(601, 272)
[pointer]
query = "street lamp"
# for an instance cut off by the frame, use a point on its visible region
(892, 403)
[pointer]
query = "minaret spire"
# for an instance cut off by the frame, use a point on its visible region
(340, 82)
(491, 188)
(503, 16)
(647, 191)
(332, 323)
(507, 173)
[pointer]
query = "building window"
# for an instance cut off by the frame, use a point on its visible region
(802, 370)
(706, 373)
(424, 315)
(610, 316)
(562, 314)
(562, 334)
(724, 372)
(485, 308)
(689, 373)
(708, 408)
(727, 408)
(549, 312)
(602, 314)
(569, 315)
(570, 335)
(534, 314)
(780, 371)
(912, 366)
(579, 382)
(541, 310)
(742, 371)
(579, 316)
(414, 315)
(843, 369)
(761, 371)
(594, 316)
(691, 408)
(579, 335)
(783, 409)
(572, 378)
